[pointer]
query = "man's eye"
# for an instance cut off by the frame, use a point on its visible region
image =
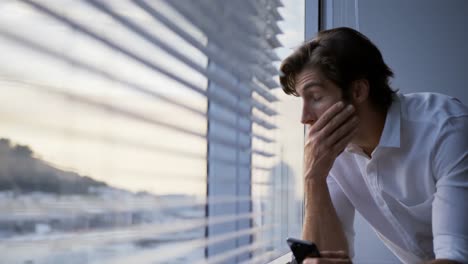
(313, 97)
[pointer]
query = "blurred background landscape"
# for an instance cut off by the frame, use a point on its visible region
(137, 131)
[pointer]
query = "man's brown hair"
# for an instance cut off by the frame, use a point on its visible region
(342, 55)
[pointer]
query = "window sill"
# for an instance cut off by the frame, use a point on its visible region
(282, 260)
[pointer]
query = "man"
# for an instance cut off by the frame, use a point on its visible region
(400, 160)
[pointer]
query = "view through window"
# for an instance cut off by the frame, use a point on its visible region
(111, 137)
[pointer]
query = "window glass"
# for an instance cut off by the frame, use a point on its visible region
(95, 140)
(277, 182)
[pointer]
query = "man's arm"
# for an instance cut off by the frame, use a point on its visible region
(450, 207)
(321, 223)
(326, 139)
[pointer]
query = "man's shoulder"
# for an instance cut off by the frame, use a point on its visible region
(430, 107)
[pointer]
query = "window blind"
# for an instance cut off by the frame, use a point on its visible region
(138, 131)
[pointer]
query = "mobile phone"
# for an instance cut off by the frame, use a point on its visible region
(302, 249)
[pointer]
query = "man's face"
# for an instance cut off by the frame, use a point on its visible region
(318, 94)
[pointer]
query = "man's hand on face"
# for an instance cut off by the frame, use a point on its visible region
(327, 138)
(329, 257)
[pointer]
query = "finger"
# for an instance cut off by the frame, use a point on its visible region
(343, 142)
(336, 260)
(337, 120)
(310, 261)
(342, 131)
(334, 254)
(327, 116)
(326, 261)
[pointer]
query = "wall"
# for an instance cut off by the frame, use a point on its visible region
(424, 42)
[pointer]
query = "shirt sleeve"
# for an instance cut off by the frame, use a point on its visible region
(450, 205)
(344, 210)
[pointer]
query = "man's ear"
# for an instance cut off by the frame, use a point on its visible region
(360, 91)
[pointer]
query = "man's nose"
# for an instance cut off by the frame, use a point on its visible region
(308, 117)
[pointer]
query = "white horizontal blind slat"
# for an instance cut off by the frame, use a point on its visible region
(212, 51)
(166, 254)
(144, 61)
(153, 39)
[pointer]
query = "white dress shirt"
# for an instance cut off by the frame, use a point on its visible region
(414, 189)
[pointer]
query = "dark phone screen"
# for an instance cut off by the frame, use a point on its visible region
(302, 249)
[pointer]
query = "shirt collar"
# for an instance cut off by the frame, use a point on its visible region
(391, 133)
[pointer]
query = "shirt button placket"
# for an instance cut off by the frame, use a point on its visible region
(373, 179)
(382, 205)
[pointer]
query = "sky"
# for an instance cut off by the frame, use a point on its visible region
(79, 121)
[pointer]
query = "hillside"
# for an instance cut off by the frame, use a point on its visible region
(22, 172)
